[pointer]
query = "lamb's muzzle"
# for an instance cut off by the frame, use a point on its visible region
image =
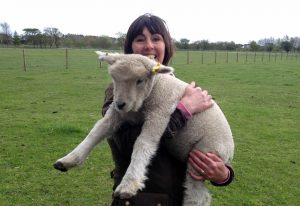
(120, 105)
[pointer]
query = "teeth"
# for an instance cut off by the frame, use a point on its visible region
(151, 57)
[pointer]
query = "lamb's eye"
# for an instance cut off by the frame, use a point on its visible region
(139, 81)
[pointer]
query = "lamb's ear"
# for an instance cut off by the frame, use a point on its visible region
(110, 58)
(160, 68)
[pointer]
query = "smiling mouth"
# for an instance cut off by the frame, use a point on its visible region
(153, 57)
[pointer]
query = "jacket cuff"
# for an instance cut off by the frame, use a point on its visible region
(187, 114)
(228, 180)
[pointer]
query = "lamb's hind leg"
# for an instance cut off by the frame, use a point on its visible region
(80, 153)
(196, 193)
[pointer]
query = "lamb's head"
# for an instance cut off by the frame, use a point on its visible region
(133, 76)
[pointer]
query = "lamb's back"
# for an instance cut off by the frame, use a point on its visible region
(208, 131)
(165, 94)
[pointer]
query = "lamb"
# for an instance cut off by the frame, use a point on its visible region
(141, 86)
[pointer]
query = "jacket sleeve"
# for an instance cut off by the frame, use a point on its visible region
(108, 99)
(177, 121)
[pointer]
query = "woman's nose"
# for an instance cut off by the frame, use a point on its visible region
(149, 44)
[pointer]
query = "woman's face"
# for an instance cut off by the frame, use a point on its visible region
(151, 45)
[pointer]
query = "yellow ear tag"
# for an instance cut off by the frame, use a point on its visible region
(156, 68)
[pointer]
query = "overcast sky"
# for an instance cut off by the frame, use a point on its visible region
(214, 20)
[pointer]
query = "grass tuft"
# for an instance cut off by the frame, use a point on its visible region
(61, 129)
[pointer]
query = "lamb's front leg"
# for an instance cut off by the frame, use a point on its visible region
(80, 153)
(144, 149)
(135, 175)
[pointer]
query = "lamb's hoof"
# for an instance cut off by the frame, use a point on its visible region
(124, 195)
(125, 191)
(60, 166)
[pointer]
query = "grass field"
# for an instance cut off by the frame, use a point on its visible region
(46, 111)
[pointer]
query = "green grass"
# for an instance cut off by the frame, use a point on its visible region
(46, 111)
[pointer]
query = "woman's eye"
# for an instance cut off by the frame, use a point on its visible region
(139, 81)
(157, 38)
(139, 39)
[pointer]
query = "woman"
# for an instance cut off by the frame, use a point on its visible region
(148, 35)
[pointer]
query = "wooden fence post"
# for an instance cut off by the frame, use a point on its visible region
(24, 60)
(227, 57)
(215, 57)
(67, 59)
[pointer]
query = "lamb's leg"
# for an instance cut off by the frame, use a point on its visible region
(135, 175)
(79, 154)
(195, 193)
(144, 149)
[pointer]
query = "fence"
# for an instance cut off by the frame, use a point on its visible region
(33, 59)
(225, 57)
(28, 59)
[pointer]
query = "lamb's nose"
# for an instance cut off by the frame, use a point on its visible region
(120, 105)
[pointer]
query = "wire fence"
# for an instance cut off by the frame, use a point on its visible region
(29, 59)
(226, 57)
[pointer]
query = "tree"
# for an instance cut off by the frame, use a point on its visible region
(6, 37)
(269, 47)
(253, 46)
(105, 42)
(183, 44)
(286, 46)
(53, 36)
(120, 39)
(230, 46)
(16, 39)
(295, 41)
(31, 36)
(204, 45)
(267, 43)
(200, 45)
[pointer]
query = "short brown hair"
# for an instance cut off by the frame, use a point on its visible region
(155, 25)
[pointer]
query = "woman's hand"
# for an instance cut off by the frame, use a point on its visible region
(195, 99)
(208, 167)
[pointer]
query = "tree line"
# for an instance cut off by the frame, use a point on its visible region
(51, 37)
